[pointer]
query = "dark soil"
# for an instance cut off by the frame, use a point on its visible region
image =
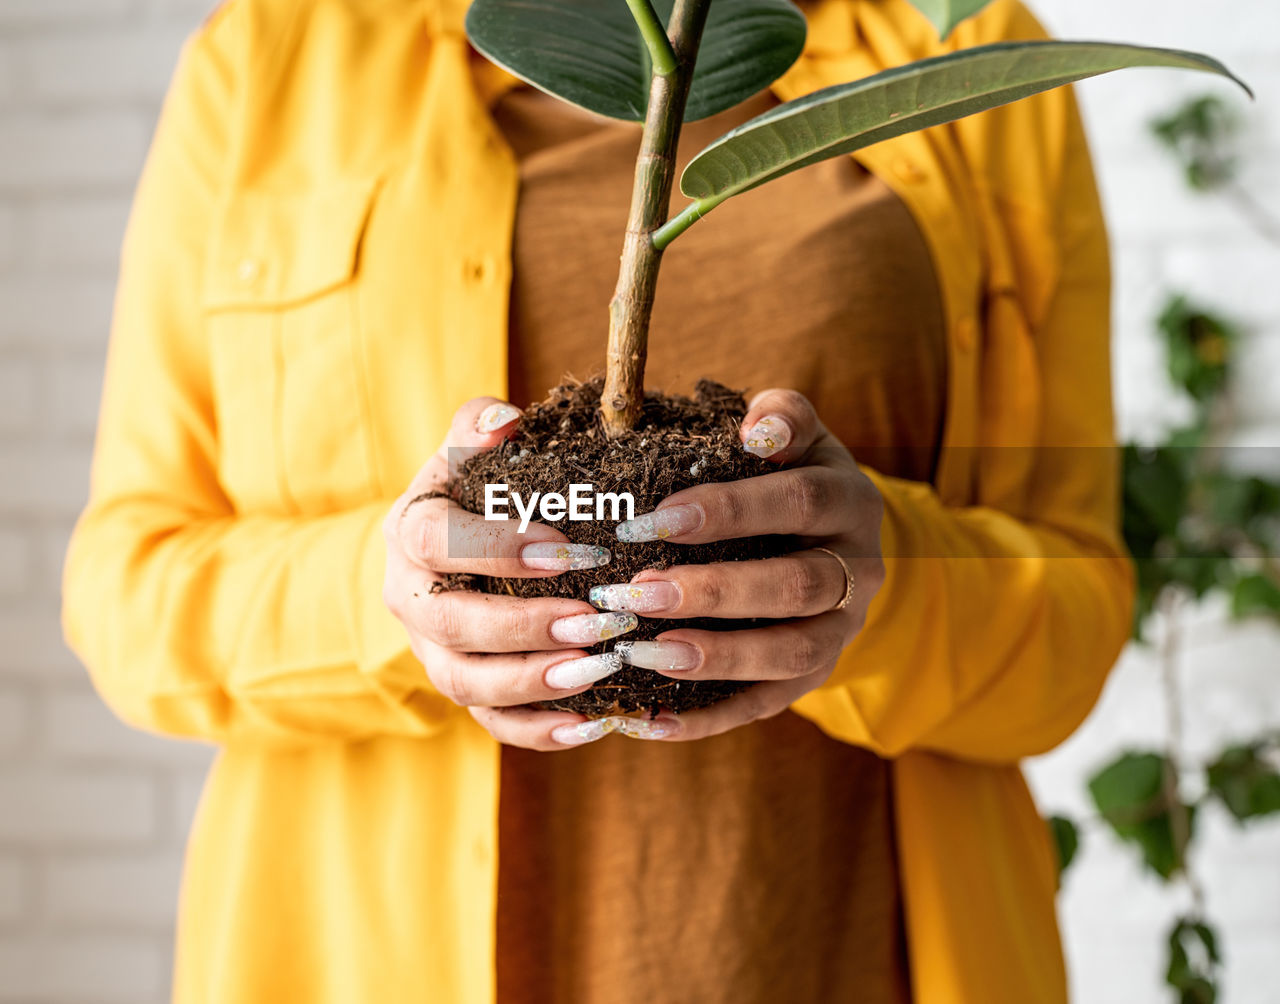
(679, 443)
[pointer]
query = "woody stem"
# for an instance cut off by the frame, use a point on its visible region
(632, 303)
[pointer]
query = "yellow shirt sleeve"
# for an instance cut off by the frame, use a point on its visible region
(192, 618)
(994, 630)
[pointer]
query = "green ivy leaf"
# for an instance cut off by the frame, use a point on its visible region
(1200, 133)
(1188, 437)
(1255, 594)
(1198, 346)
(1193, 961)
(1200, 571)
(946, 14)
(1156, 486)
(1246, 783)
(1066, 840)
(1236, 501)
(1129, 795)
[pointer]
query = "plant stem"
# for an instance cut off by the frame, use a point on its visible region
(632, 303)
(655, 38)
(1171, 603)
(1254, 212)
(682, 221)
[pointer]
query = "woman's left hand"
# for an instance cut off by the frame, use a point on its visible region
(822, 498)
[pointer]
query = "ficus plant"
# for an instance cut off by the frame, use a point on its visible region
(663, 63)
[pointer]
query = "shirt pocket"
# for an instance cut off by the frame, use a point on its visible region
(286, 351)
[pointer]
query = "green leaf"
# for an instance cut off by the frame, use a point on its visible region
(1255, 594)
(1237, 512)
(591, 54)
(1198, 346)
(1066, 840)
(946, 14)
(1201, 133)
(1188, 437)
(1246, 783)
(1193, 961)
(1156, 482)
(904, 99)
(1129, 794)
(1199, 570)
(1126, 789)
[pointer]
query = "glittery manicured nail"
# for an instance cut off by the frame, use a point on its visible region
(642, 597)
(551, 556)
(768, 436)
(639, 728)
(660, 524)
(672, 655)
(495, 417)
(589, 732)
(579, 672)
(584, 732)
(587, 629)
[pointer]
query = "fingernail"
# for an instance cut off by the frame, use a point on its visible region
(660, 524)
(495, 417)
(672, 655)
(636, 728)
(583, 732)
(642, 597)
(768, 436)
(552, 556)
(579, 672)
(587, 629)
(640, 728)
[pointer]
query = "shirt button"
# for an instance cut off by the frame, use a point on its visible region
(477, 270)
(966, 333)
(249, 270)
(908, 172)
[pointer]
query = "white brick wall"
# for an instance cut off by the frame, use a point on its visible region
(1165, 240)
(93, 816)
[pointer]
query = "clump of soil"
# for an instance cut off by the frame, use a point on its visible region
(679, 442)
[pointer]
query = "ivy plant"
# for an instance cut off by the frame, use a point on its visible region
(1197, 527)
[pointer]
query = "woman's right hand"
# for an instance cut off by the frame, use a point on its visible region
(487, 651)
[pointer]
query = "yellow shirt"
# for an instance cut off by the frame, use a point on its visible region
(315, 277)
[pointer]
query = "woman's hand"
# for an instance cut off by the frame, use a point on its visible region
(482, 651)
(823, 499)
(491, 653)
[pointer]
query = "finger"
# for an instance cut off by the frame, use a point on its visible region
(527, 728)
(440, 535)
(780, 651)
(808, 501)
(554, 730)
(480, 424)
(780, 425)
(764, 700)
(797, 585)
(510, 679)
(481, 622)
(665, 725)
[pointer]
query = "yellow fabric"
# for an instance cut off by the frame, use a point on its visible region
(315, 277)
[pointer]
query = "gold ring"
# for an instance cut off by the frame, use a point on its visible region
(848, 578)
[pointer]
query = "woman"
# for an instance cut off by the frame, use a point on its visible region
(314, 294)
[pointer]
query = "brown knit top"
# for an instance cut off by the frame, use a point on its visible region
(757, 866)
